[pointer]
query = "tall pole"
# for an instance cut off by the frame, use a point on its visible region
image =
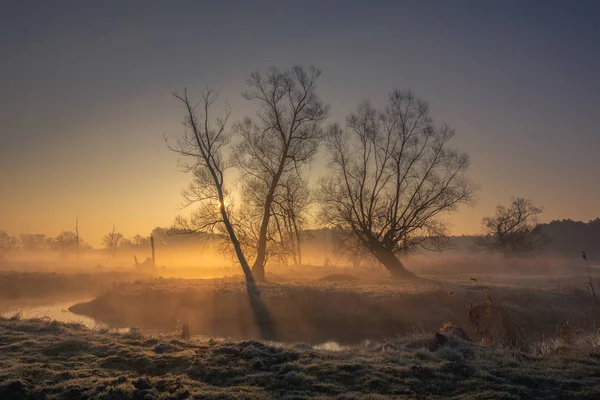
(77, 238)
(111, 248)
(152, 244)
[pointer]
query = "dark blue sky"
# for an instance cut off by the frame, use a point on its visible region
(85, 94)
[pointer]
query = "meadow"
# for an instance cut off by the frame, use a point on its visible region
(45, 359)
(459, 331)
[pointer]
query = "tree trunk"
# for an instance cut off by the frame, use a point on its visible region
(236, 243)
(258, 268)
(298, 239)
(258, 272)
(389, 260)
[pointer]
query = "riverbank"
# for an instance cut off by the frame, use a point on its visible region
(345, 311)
(31, 288)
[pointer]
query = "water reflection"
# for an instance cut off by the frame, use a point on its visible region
(56, 311)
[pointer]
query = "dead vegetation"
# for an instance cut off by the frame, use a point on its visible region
(28, 286)
(346, 312)
(43, 359)
(336, 338)
(494, 323)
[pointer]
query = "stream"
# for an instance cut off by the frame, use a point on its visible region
(53, 310)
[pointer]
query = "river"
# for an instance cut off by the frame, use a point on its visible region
(54, 310)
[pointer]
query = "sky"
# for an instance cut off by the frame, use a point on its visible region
(85, 98)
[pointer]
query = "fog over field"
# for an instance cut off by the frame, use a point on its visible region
(278, 200)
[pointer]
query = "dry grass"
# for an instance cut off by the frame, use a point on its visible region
(42, 359)
(339, 339)
(29, 286)
(346, 312)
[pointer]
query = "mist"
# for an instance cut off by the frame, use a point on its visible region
(277, 200)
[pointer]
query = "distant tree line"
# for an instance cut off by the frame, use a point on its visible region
(65, 243)
(562, 237)
(571, 237)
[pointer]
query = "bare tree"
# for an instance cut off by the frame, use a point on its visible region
(77, 237)
(349, 246)
(111, 241)
(203, 144)
(139, 241)
(33, 241)
(7, 244)
(282, 138)
(290, 205)
(65, 243)
(392, 177)
(513, 229)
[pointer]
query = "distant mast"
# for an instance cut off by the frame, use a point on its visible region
(77, 238)
(152, 244)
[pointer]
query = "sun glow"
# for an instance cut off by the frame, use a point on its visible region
(223, 203)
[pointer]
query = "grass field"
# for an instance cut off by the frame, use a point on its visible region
(43, 359)
(331, 336)
(318, 311)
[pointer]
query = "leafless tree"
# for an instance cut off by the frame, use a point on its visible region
(65, 243)
(392, 177)
(289, 210)
(111, 241)
(33, 241)
(7, 244)
(283, 137)
(77, 237)
(349, 246)
(202, 144)
(513, 229)
(288, 217)
(139, 240)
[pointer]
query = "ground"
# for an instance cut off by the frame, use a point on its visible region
(43, 359)
(346, 312)
(334, 338)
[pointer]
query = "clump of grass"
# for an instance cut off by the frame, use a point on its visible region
(455, 330)
(594, 298)
(493, 322)
(88, 364)
(16, 316)
(134, 333)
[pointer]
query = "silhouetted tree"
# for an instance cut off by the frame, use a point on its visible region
(513, 229)
(65, 243)
(139, 241)
(290, 204)
(203, 145)
(569, 237)
(77, 244)
(391, 178)
(7, 244)
(33, 241)
(288, 209)
(349, 246)
(111, 241)
(282, 138)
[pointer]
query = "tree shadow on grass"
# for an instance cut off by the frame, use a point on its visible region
(262, 317)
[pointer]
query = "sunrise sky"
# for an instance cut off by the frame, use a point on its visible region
(85, 95)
